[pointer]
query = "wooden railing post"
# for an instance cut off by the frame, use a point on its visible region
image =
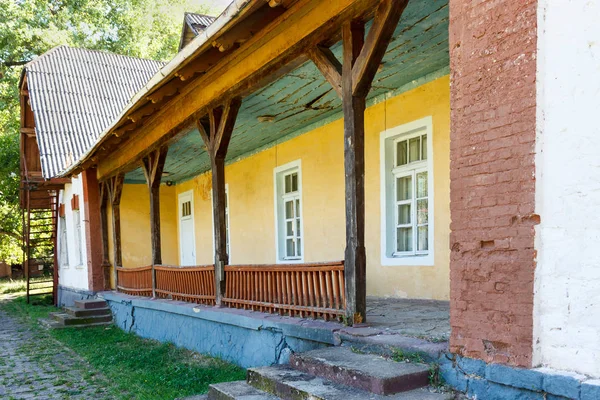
(153, 165)
(352, 80)
(216, 135)
(153, 282)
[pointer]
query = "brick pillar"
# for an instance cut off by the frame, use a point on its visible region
(93, 230)
(492, 172)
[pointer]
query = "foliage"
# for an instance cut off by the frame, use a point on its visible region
(133, 367)
(29, 28)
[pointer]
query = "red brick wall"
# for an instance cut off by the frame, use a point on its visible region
(493, 67)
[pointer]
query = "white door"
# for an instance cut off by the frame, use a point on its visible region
(187, 240)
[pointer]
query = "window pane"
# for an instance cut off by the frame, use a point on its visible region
(414, 147)
(423, 238)
(401, 153)
(298, 227)
(298, 208)
(404, 239)
(289, 209)
(422, 185)
(294, 182)
(403, 214)
(424, 147)
(288, 183)
(289, 230)
(290, 249)
(299, 247)
(404, 188)
(422, 212)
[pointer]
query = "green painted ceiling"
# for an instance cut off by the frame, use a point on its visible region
(303, 98)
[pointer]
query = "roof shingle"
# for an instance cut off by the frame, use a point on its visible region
(75, 94)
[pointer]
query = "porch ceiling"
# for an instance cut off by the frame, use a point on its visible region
(302, 98)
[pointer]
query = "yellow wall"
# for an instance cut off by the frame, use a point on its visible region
(135, 226)
(251, 199)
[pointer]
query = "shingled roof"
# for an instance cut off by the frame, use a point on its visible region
(75, 94)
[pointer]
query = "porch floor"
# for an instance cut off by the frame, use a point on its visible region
(424, 319)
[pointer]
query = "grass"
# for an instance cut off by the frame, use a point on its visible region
(133, 367)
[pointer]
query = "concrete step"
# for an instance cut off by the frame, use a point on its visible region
(238, 390)
(289, 383)
(52, 324)
(368, 372)
(91, 303)
(68, 320)
(82, 312)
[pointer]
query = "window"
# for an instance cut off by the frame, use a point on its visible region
(77, 230)
(288, 206)
(63, 251)
(186, 208)
(407, 200)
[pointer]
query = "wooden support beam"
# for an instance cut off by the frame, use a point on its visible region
(329, 66)
(104, 227)
(352, 81)
(216, 136)
(169, 89)
(247, 28)
(153, 165)
(384, 23)
(92, 226)
(115, 188)
(354, 166)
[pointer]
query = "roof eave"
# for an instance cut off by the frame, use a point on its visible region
(199, 44)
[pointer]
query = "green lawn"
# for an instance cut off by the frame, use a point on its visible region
(134, 367)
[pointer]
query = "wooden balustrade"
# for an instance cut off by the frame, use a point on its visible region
(135, 281)
(306, 290)
(191, 284)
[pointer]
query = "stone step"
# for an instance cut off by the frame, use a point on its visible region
(289, 383)
(238, 390)
(82, 312)
(90, 303)
(52, 324)
(368, 372)
(68, 320)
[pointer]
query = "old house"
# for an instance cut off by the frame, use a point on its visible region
(297, 156)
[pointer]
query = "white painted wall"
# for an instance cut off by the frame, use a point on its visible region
(567, 281)
(73, 274)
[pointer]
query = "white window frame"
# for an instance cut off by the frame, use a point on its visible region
(388, 173)
(63, 242)
(279, 202)
(78, 237)
(227, 225)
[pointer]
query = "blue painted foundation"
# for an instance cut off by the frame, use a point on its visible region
(242, 337)
(495, 381)
(252, 339)
(68, 295)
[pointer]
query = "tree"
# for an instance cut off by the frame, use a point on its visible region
(29, 28)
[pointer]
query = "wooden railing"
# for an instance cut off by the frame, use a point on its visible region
(135, 281)
(306, 290)
(191, 284)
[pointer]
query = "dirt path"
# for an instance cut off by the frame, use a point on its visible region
(35, 366)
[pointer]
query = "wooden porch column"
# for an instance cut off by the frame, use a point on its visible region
(92, 226)
(153, 165)
(216, 136)
(115, 187)
(352, 80)
(104, 227)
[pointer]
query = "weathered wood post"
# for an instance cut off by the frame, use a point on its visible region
(352, 80)
(115, 188)
(104, 226)
(153, 165)
(216, 137)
